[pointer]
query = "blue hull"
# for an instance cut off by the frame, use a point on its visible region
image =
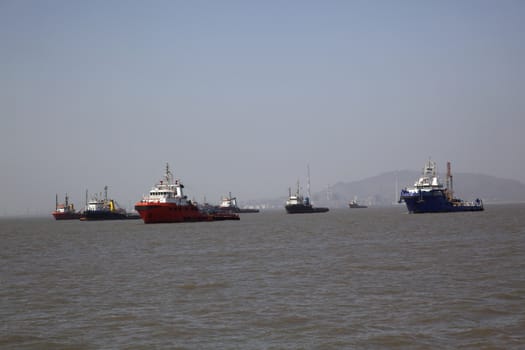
(436, 202)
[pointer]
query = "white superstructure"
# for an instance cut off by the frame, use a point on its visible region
(295, 199)
(228, 202)
(428, 181)
(167, 191)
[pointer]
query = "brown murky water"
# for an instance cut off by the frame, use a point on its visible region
(364, 278)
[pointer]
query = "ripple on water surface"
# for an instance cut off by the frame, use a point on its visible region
(376, 278)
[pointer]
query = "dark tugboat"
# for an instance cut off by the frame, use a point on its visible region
(428, 195)
(297, 204)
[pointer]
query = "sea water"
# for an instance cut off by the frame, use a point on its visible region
(375, 278)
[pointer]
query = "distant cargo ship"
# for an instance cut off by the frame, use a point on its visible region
(297, 204)
(428, 195)
(105, 209)
(355, 205)
(166, 202)
(229, 204)
(65, 211)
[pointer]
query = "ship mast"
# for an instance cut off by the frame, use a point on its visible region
(450, 186)
(308, 180)
(56, 202)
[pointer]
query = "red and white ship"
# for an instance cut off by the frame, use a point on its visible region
(65, 211)
(166, 202)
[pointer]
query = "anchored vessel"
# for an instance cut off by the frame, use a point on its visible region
(428, 195)
(104, 209)
(166, 202)
(297, 204)
(65, 211)
(354, 204)
(229, 204)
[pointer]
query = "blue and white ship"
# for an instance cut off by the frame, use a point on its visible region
(428, 195)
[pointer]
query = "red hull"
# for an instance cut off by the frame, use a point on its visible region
(66, 216)
(169, 212)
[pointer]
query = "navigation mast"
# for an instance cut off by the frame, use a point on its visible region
(308, 180)
(450, 185)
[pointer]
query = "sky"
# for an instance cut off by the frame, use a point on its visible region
(240, 96)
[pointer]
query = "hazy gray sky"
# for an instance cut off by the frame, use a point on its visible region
(240, 95)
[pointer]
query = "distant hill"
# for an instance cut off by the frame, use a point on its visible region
(382, 190)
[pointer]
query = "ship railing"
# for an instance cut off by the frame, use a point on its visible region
(407, 193)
